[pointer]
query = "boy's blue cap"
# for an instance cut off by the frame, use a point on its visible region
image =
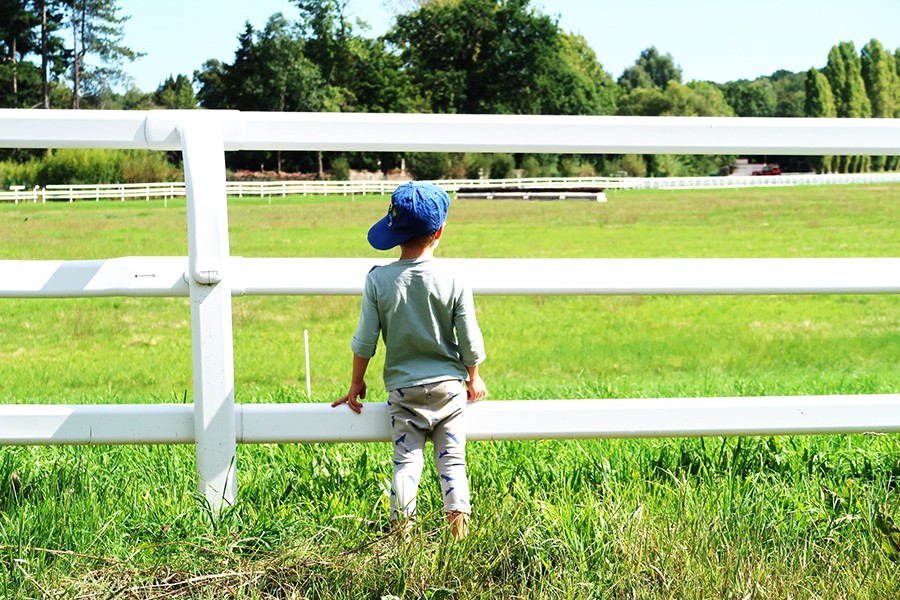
(416, 209)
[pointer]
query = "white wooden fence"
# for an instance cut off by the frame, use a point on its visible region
(210, 276)
(274, 189)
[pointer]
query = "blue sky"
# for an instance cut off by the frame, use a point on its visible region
(710, 39)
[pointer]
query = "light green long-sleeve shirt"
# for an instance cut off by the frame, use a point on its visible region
(426, 317)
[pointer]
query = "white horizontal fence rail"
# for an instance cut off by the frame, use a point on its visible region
(158, 130)
(88, 424)
(275, 189)
(209, 276)
(168, 276)
(114, 191)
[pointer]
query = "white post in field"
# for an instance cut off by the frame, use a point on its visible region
(211, 326)
(306, 356)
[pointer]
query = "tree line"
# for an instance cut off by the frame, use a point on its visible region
(461, 56)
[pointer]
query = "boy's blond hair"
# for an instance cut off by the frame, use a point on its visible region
(420, 241)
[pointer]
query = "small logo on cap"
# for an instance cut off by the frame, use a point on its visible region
(392, 212)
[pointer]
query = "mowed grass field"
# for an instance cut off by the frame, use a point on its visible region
(800, 517)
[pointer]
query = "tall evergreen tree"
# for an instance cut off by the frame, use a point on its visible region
(269, 73)
(97, 31)
(52, 47)
(175, 92)
(325, 30)
(18, 38)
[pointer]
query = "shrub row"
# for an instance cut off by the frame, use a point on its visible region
(89, 166)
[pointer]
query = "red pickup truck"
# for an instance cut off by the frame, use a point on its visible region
(768, 170)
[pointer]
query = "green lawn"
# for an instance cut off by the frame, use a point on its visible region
(801, 517)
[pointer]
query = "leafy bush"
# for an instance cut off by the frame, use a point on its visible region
(459, 166)
(140, 166)
(90, 166)
(340, 169)
(574, 166)
(16, 173)
(531, 167)
(503, 166)
(428, 165)
(478, 166)
(634, 165)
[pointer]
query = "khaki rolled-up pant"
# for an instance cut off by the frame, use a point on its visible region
(436, 411)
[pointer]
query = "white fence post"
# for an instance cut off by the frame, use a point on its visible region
(211, 325)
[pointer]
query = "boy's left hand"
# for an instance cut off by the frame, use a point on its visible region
(357, 391)
(476, 390)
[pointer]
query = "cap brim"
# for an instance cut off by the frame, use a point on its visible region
(381, 237)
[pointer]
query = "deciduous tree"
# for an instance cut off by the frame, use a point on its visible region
(790, 92)
(498, 56)
(651, 69)
(751, 98)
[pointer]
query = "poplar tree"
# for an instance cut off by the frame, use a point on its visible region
(844, 73)
(897, 78)
(819, 98)
(819, 103)
(880, 77)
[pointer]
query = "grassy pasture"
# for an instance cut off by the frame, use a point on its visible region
(802, 517)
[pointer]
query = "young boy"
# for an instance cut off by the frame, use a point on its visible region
(432, 345)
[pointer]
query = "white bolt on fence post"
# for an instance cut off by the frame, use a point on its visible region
(211, 313)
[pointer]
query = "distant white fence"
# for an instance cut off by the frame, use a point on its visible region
(209, 275)
(272, 189)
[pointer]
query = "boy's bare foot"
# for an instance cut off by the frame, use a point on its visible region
(403, 527)
(459, 524)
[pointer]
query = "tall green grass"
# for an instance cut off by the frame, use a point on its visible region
(799, 517)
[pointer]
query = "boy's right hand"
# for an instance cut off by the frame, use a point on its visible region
(357, 391)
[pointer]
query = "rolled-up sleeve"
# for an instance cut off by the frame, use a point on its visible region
(365, 340)
(469, 338)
